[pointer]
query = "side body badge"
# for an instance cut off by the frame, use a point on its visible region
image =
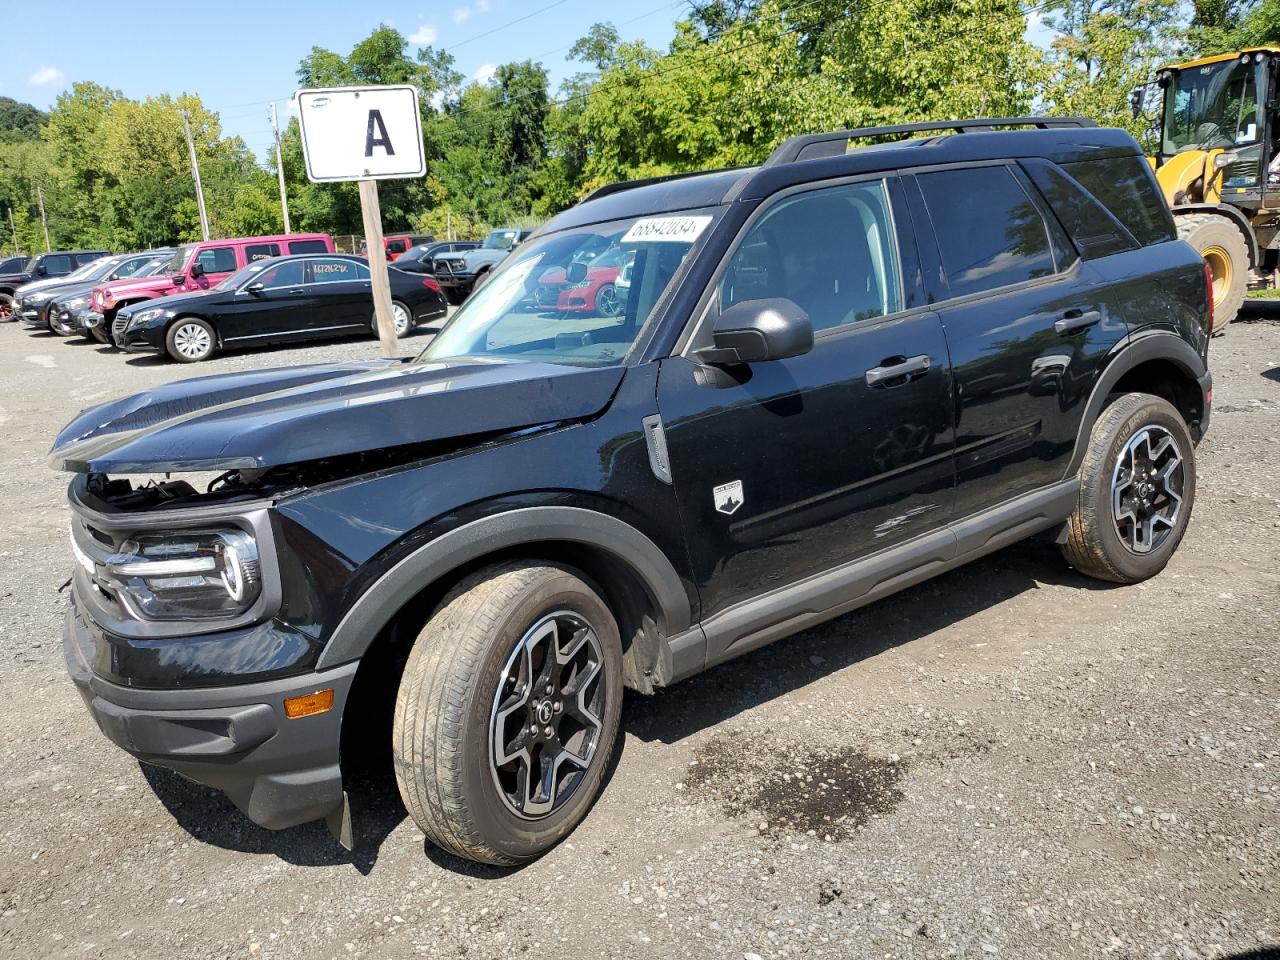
(728, 496)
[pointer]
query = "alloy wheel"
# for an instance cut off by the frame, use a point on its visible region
(607, 301)
(544, 726)
(1146, 489)
(192, 341)
(6, 307)
(400, 316)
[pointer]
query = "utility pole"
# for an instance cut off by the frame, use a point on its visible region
(43, 219)
(14, 227)
(381, 283)
(195, 175)
(284, 200)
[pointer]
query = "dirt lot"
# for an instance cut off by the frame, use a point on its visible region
(1007, 761)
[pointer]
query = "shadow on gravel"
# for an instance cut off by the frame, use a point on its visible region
(1272, 374)
(211, 818)
(775, 671)
(1260, 953)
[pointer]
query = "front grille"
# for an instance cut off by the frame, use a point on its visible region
(1242, 173)
(117, 328)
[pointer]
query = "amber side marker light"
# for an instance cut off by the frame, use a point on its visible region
(309, 704)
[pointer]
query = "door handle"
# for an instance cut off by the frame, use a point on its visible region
(1074, 321)
(895, 368)
(297, 290)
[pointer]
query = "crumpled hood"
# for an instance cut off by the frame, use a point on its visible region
(266, 418)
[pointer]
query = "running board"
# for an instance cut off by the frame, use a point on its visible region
(754, 623)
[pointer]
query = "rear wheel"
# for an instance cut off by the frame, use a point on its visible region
(507, 712)
(1223, 247)
(190, 340)
(401, 319)
(1137, 488)
(6, 307)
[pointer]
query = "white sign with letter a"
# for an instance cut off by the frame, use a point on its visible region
(361, 133)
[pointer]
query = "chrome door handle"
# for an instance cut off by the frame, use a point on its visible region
(1074, 321)
(877, 376)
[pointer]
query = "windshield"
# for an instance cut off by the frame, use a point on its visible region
(153, 267)
(90, 271)
(558, 300)
(1213, 106)
(500, 240)
(181, 257)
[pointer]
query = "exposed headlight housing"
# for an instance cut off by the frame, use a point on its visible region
(1221, 160)
(75, 303)
(186, 575)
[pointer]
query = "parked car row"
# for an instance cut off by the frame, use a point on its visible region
(190, 301)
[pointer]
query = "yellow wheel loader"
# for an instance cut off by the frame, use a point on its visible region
(1218, 163)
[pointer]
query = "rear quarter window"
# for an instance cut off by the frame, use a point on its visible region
(989, 232)
(308, 246)
(1093, 229)
(1127, 187)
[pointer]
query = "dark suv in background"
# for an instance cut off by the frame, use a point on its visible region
(58, 263)
(832, 376)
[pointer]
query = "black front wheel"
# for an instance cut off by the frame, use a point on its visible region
(507, 712)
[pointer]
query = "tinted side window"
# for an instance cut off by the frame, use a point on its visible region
(57, 265)
(83, 258)
(397, 246)
(1127, 187)
(334, 271)
(307, 246)
(989, 232)
(261, 251)
(830, 251)
(1095, 232)
(290, 273)
(217, 259)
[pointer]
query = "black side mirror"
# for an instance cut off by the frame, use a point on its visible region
(197, 270)
(1136, 97)
(41, 270)
(255, 288)
(576, 273)
(754, 331)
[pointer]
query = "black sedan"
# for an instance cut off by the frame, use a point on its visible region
(275, 300)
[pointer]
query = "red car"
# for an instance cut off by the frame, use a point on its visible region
(397, 243)
(596, 293)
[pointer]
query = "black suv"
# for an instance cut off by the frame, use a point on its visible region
(835, 375)
(57, 263)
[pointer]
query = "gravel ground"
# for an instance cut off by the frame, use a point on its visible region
(1007, 761)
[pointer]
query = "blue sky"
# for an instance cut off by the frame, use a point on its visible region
(246, 54)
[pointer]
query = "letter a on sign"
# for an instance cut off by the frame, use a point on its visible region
(377, 135)
(361, 133)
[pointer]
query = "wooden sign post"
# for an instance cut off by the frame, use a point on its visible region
(365, 134)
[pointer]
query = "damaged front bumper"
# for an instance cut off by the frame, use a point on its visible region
(279, 771)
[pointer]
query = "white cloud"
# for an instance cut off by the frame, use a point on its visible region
(485, 73)
(482, 6)
(462, 15)
(424, 36)
(45, 76)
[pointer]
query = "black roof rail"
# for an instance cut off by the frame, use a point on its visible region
(612, 188)
(815, 146)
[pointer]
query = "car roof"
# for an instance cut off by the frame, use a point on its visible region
(825, 156)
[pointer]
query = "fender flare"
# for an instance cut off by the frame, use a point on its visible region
(365, 618)
(1131, 353)
(1233, 214)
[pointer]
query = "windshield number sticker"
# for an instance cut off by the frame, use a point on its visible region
(666, 230)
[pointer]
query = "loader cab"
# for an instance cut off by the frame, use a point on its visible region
(1221, 110)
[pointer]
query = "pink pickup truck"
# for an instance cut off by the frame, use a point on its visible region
(195, 266)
